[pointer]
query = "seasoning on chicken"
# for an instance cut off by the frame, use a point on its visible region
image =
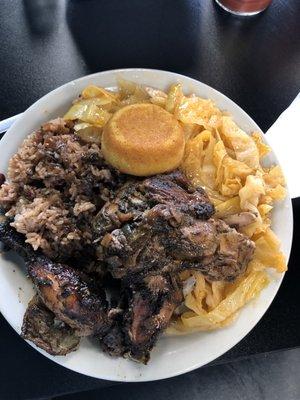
(174, 233)
(41, 327)
(145, 311)
(167, 229)
(72, 297)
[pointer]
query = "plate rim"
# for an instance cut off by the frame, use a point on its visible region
(176, 76)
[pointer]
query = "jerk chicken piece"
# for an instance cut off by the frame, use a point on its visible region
(41, 327)
(72, 297)
(136, 197)
(146, 311)
(150, 310)
(174, 188)
(168, 241)
(152, 230)
(128, 204)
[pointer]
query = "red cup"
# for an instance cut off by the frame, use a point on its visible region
(244, 7)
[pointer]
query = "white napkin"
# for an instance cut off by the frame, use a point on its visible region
(284, 138)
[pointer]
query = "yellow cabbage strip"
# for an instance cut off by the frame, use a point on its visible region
(93, 91)
(216, 294)
(174, 98)
(255, 265)
(274, 176)
(195, 110)
(198, 161)
(177, 328)
(192, 162)
(261, 224)
(228, 207)
(242, 144)
(230, 173)
(277, 193)
(215, 196)
(274, 181)
(264, 210)
(263, 149)
(248, 288)
(132, 93)
(255, 228)
(235, 169)
(194, 299)
(267, 251)
(214, 122)
(157, 97)
(126, 88)
(231, 186)
(208, 172)
(88, 110)
(88, 133)
(191, 130)
(250, 194)
(219, 155)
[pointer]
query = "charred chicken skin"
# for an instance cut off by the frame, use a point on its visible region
(168, 241)
(136, 197)
(174, 232)
(144, 312)
(73, 298)
(157, 228)
(41, 327)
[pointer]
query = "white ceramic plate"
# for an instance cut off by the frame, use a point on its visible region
(172, 355)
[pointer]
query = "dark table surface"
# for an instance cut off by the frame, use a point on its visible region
(255, 61)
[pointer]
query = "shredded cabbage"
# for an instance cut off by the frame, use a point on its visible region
(88, 133)
(247, 288)
(250, 193)
(243, 145)
(90, 111)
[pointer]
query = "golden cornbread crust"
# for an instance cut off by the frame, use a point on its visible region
(142, 140)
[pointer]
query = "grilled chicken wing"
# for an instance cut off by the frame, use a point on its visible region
(74, 300)
(65, 291)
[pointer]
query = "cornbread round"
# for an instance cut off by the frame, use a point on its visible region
(142, 140)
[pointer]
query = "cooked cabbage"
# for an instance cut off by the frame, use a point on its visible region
(88, 133)
(251, 192)
(98, 92)
(132, 93)
(222, 307)
(244, 147)
(90, 111)
(174, 99)
(262, 148)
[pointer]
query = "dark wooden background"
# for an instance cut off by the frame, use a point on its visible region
(255, 61)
